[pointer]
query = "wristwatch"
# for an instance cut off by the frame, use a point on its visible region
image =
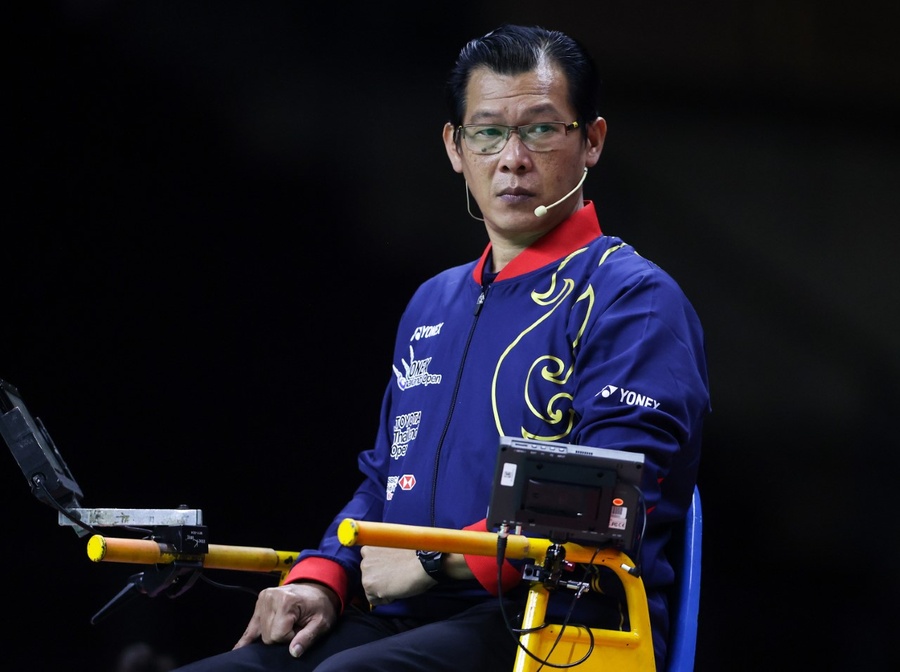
(433, 564)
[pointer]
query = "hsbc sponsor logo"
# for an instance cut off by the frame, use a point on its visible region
(627, 397)
(404, 482)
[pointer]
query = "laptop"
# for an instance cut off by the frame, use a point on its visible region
(52, 482)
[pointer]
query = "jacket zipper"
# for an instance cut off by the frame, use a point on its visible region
(479, 304)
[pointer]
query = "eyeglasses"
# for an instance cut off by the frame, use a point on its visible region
(544, 136)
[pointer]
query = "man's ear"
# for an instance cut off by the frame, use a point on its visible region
(596, 132)
(452, 150)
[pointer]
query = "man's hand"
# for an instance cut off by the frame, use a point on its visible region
(390, 574)
(297, 612)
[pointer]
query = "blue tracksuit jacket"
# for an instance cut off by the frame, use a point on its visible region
(579, 340)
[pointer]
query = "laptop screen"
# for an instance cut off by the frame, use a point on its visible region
(37, 456)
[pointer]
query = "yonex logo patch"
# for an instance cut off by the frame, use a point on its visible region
(628, 397)
(607, 390)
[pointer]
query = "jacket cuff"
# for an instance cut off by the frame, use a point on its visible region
(484, 567)
(321, 570)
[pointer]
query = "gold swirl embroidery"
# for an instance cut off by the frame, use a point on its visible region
(555, 369)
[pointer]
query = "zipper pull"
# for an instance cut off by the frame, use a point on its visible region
(480, 302)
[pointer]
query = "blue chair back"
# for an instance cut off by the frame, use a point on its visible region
(685, 605)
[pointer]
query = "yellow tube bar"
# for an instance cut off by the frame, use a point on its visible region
(148, 552)
(365, 533)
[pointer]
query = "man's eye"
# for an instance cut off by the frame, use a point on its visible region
(541, 129)
(489, 132)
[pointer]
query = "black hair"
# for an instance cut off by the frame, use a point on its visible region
(513, 50)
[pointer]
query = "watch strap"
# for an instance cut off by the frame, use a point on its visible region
(433, 564)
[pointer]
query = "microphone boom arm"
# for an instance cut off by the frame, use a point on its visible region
(541, 210)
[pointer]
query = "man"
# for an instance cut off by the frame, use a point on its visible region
(553, 333)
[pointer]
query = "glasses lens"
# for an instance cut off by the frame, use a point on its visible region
(485, 138)
(491, 138)
(543, 137)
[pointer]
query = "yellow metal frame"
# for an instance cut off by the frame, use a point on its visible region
(622, 651)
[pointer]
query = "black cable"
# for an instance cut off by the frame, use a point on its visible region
(515, 633)
(225, 586)
(38, 480)
(639, 542)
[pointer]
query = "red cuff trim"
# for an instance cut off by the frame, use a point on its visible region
(484, 567)
(324, 571)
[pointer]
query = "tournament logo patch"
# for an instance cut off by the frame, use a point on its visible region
(406, 428)
(415, 372)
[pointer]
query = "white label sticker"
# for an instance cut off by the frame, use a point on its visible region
(508, 475)
(618, 517)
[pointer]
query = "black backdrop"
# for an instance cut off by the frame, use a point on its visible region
(218, 210)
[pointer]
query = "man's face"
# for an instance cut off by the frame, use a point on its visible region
(510, 184)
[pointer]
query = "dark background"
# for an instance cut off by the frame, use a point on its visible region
(216, 212)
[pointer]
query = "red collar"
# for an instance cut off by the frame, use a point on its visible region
(568, 236)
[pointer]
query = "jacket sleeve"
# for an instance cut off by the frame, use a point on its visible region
(642, 387)
(333, 564)
(485, 567)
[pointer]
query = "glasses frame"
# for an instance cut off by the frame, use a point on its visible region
(461, 137)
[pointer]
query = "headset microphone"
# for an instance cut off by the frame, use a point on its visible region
(541, 210)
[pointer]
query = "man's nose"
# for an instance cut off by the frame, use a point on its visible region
(515, 154)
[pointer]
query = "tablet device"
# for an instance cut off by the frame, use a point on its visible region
(566, 492)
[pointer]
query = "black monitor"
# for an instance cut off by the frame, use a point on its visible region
(30, 443)
(565, 492)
